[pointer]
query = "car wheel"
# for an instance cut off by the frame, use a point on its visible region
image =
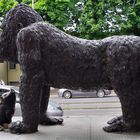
(100, 94)
(67, 94)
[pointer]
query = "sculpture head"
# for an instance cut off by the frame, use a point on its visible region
(16, 19)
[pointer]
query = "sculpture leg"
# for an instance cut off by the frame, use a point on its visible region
(130, 121)
(30, 90)
(44, 118)
(31, 83)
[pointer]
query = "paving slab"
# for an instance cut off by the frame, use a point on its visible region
(74, 128)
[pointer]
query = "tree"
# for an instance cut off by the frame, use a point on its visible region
(86, 18)
(75, 10)
(6, 5)
(92, 20)
(64, 14)
(54, 11)
(101, 18)
(134, 19)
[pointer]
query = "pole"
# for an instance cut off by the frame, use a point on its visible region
(33, 4)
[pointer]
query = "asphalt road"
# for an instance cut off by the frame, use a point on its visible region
(85, 106)
(90, 106)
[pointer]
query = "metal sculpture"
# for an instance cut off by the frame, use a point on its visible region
(49, 57)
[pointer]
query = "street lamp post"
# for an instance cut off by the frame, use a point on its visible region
(33, 4)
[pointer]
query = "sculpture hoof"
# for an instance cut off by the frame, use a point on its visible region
(114, 120)
(51, 121)
(115, 127)
(18, 128)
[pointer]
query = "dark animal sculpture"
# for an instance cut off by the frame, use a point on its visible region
(49, 57)
(7, 109)
(17, 18)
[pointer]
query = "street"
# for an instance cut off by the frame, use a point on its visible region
(90, 106)
(85, 106)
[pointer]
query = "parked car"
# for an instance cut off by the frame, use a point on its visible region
(54, 109)
(68, 93)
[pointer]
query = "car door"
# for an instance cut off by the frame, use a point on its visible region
(78, 93)
(90, 93)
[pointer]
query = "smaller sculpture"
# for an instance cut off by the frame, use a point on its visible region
(7, 109)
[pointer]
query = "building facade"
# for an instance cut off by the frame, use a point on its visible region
(9, 72)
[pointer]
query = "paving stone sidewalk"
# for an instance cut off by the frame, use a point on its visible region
(74, 128)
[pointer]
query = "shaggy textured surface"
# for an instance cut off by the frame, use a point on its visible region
(50, 57)
(17, 18)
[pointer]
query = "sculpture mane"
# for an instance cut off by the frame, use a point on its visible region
(13, 21)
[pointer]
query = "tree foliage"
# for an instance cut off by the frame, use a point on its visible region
(61, 13)
(101, 18)
(86, 18)
(6, 5)
(54, 11)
